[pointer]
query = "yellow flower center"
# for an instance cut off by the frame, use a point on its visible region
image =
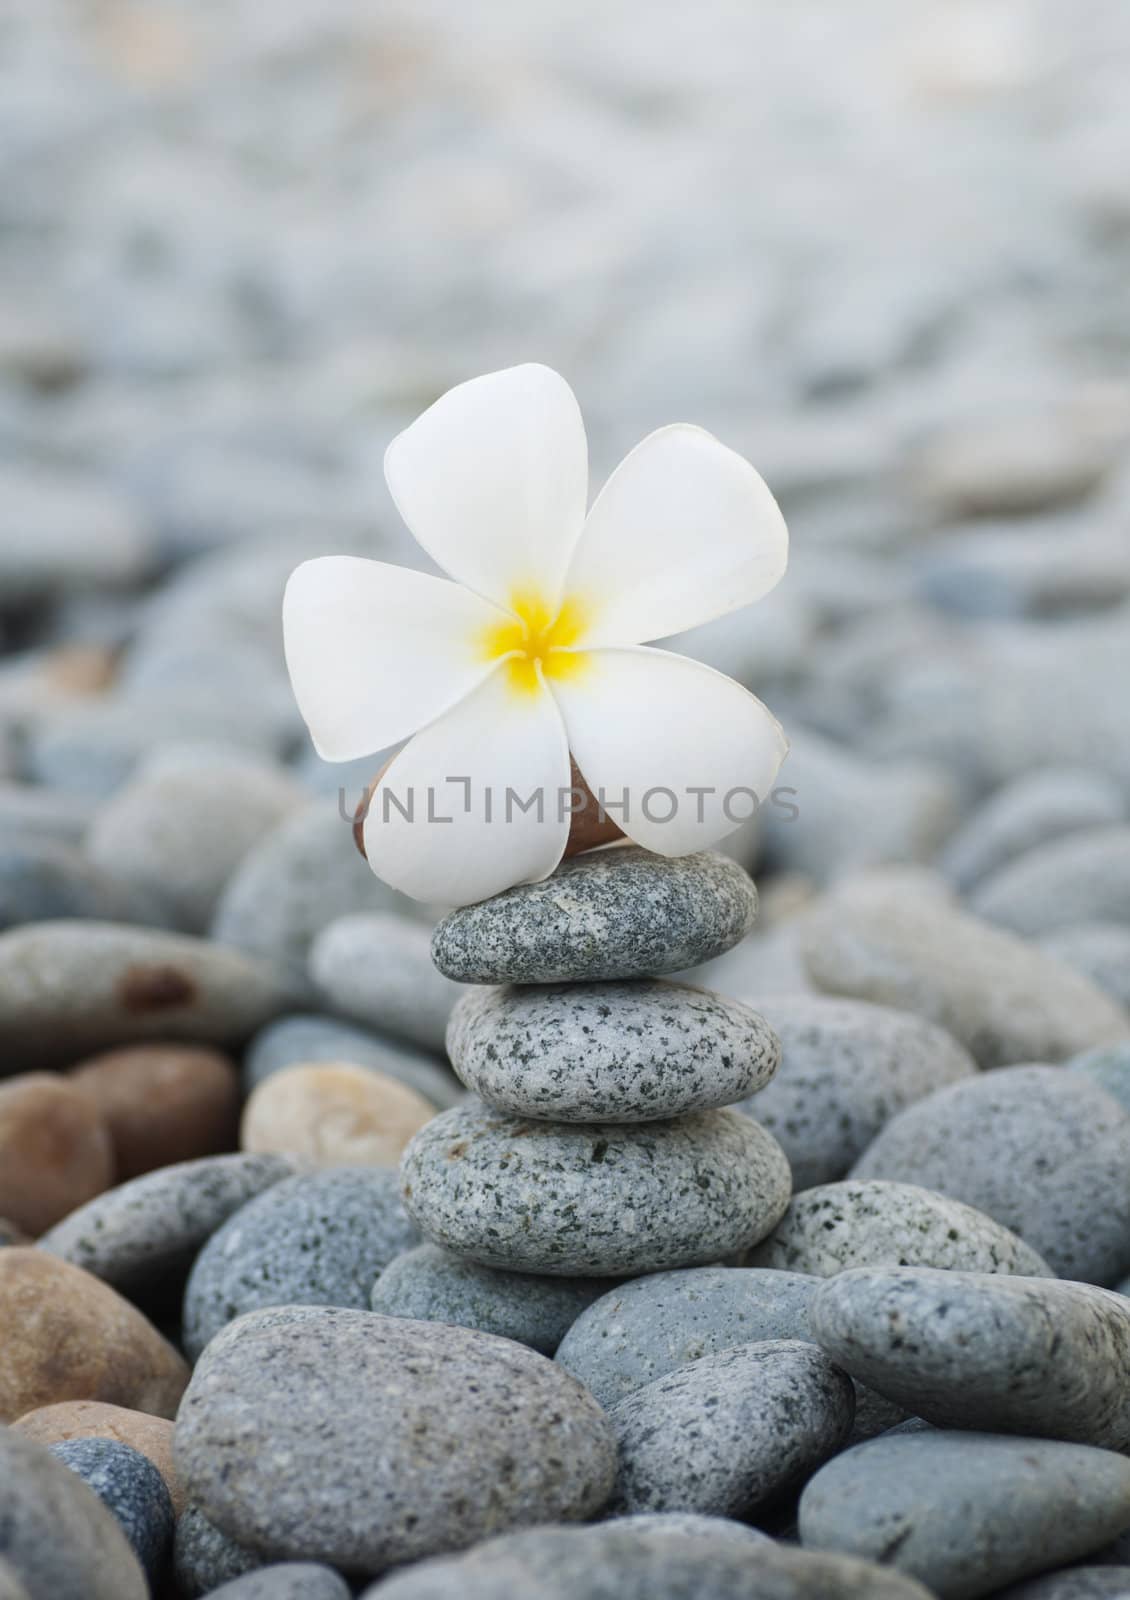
(535, 637)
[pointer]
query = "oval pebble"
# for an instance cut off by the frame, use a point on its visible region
(1100, 950)
(319, 1238)
(1027, 814)
(55, 1151)
(162, 1103)
(608, 1052)
(204, 1558)
(349, 1438)
(620, 913)
(333, 1114)
(286, 1580)
(1084, 877)
(307, 1037)
(593, 1199)
(723, 1434)
(376, 968)
(94, 1419)
(129, 1485)
(41, 879)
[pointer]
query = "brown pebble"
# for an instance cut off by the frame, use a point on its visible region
(55, 1151)
(94, 1419)
(66, 1336)
(162, 1103)
(333, 1114)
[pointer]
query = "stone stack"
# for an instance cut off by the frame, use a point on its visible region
(598, 1143)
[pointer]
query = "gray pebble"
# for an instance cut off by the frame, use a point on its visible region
(431, 1285)
(1004, 999)
(1100, 950)
(1084, 877)
(1109, 1067)
(204, 1558)
(973, 1350)
(725, 1433)
(68, 989)
(130, 1486)
(56, 1536)
(286, 1580)
(66, 531)
(30, 811)
(10, 1586)
(376, 968)
(359, 1440)
(300, 1039)
(1074, 1583)
(593, 1199)
(145, 1230)
(682, 1523)
(1030, 812)
(1044, 1152)
(621, 913)
(42, 879)
(846, 1068)
(876, 1223)
(608, 1052)
(966, 1513)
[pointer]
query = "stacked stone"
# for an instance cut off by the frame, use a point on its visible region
(598, 1143)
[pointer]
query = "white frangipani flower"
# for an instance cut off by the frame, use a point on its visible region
(536, 649)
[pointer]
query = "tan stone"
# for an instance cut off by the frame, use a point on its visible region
(333, 1114)
(163, 1103)
(94, 1419)
(67, 1336)
(55, 1151)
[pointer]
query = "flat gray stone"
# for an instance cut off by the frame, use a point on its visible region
(286, 1580)
(593, 1199)
(204, 1558)
(356, 1440)
(973, 1350)
(431, 1285)
(876, 1223)
(608, 1052)
(41, 879)
(1024, 815)
(305, 1037)
(724, 1434)
(1044, 1152)
(320, 1239)
(1074, 1583)
(376, 968)
(129, 1486)
(966, 1513)
(1099, 950)
(56, 1536)
(621, 913)
(1084, 877)
(846, 1068)
(149, 1229)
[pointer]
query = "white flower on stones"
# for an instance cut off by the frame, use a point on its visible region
(536, 649)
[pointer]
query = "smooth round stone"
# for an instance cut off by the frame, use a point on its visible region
(1109, 1067)
(55, 1151)
(1100, 950)
(376, 968)
(619, 1558)
(1024, 815)
(345, 1437)
(93, 1419)
(725, 1433)
(1044, 1152)
(286, 1580)
(1004, 999)
(318, 1239)
(163, 1103)
(620, 913)
(129, 1485)
(43, 878)
(846, 1068)
(593, 1199)
(966, 1513)
(1074, 1583)
(608, 1052)
(204, 1558)
(431, 1285)
(697, 1524)
(56, 1536)
(875, 1223)
(149, 1229)
(1084, 877)
(973, 1350)
(305, 1038)
(70, 988)
(69, 1337)
(333, 1114)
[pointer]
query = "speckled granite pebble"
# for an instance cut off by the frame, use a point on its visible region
(846, 1068)
(307, 1036)
(1043, 1151)
(873, 1223)
(149, 1228)
(597, 1199)
(320, 1238)
(621, 1561)
(358, 1440)
(286, 1580)
(972, 1350)
(725, 1433)
(966, 1513)
(431, 1285)
(621, 913)
(129, 1485)
(608, 1052)
(204, 1558)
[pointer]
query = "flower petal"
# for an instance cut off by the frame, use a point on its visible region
(464, 782)
(658, 727)
(684, 530)
(377, 651)
(493, 479)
